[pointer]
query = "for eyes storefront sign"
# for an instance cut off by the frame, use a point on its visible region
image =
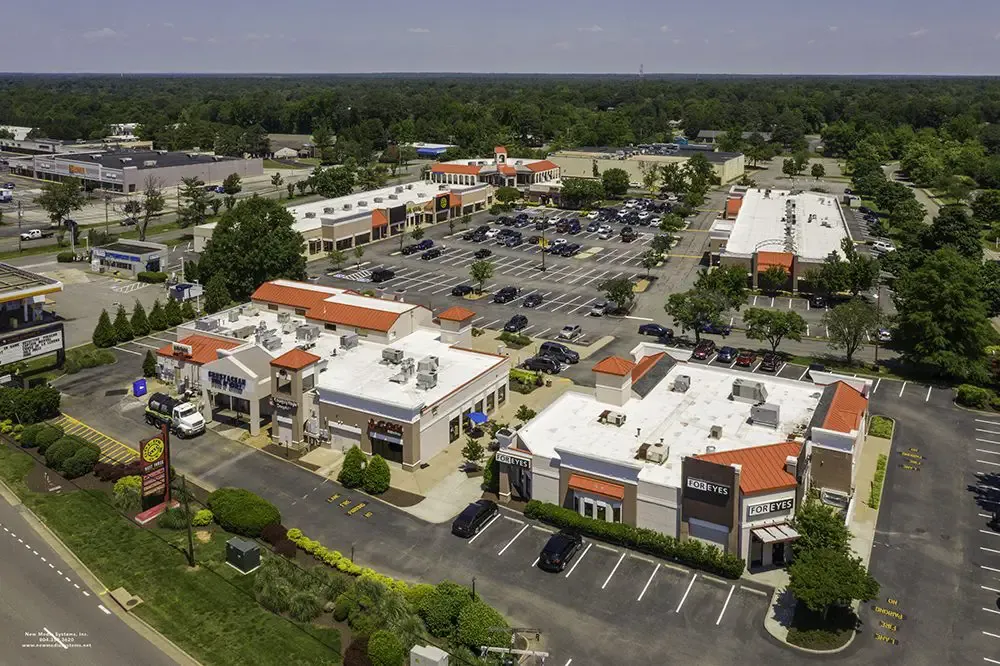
(762, 510)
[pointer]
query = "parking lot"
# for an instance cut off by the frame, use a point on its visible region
(621, 586)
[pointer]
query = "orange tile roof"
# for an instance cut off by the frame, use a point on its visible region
(295, 359)
(615, 365)
(766, 260)
(379, 219)
(500, 149)
(733, 208)
(470, 169)
(203, 349)
(506, 170)
(353, 315)
(589, 485)
(543, 165)
(762, 467)
(645, 364)
(295, 297)
(846, 410)
(457, 313)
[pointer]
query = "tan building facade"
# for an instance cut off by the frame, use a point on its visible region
(583, 163)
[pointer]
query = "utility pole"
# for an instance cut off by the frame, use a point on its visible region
(107, 200)
(544, 245)
(19, 214)
(187, 519)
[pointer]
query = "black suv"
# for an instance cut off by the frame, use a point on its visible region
(628, 234)
(505, 295)
(411, 249)
(543, 364)
(483, 253)
(516, 323)
(382, 274)
(432, 253)
(559, 352)
(474, 517)
(559, 550)
(461, 290)
(532, 300)
(655, 330)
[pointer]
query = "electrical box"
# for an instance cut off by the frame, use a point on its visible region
(242, 555)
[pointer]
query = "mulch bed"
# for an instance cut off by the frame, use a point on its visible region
(401, 498)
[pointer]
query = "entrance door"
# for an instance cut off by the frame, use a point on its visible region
(778, 554)
(389, 450)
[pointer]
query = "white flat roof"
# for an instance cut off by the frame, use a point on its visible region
(682, 420)
(818, 229)
(416, 193)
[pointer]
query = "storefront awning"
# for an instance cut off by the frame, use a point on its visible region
(588, 485)
(478, 418)
(775, 533)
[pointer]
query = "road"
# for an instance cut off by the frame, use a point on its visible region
(49, 616)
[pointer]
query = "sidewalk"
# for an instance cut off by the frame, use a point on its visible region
(861, 522)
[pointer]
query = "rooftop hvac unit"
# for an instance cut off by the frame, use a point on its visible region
(379, 199)
(682, 384)
(248, 310)
(657, 453)
(399, 188)
(791, 465)
(748, 391)
(243, 332)
(426, 380)
(329, 210)
(283, 317)
(347, 206)
(765, 415)
(428, 364)
(406, 371)
(234, 315)
(709, 449)
(715, 432)
(271, 342)
(349, 341)
(306, 332)
(409, 186)
(394, 196)
(617, 418)
(310, 215)
(362, 204)
(206, 324)
(287, 327)
(394, 356)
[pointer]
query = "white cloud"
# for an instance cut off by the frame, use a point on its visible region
(675, 42)
(832, 28)
(593, 28)
(211, 40)
(664, 28)
(420, 31)
(96, 35)
(997, 36)
(189, 40)
(919, 32)
(168, 25)
(561, 46)
(731, 31)
(256, 37)
(811, 41)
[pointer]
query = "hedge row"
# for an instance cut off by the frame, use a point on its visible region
(154, 277)
(242, 512)
(975, 396)
(875, 493)
(66, 257)
(691, 553)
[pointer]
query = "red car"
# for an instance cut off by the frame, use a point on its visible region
(703, 349)
(746, 358)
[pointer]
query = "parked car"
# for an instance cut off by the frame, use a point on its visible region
(573, 227)
(655, 330)
(492, 233)
(593, 226)
(461, 290)
(474, 517)
(483, 253)
(599, 309)
(513, 241)
(473, 236)
(718, 329)
(559, 352)
(816, 301)
(884, 335)
(559, 550)
(593, 215)
(570, 249)
(541, 225)
(425, 244)
(129, 222)
(9, 185)
(703, 349)
(727, 354)
(570, 332)
(432, 253)
(410, 249)
(516, 324)
(881, 247)
(534, 240)
(628, 234)
(606, 235)
(505, 295)
(543, 364)
(770, 362)
(848, 190)
(532, 300)
(746, 358)
(382, 274)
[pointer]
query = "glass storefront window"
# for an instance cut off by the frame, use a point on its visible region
(617, 517)
(501, 395)
(588, 508)
(602, 512)
(479, 406)
(453, 431)
(490, 402)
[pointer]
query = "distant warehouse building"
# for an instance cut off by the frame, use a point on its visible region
(366, 217)
(128, 170)
(637, 161)
(795, 231)
(500, 171)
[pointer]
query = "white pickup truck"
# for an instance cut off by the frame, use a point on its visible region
(35, 234)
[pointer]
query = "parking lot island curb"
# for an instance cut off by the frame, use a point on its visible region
(780, 631)
(134, 622)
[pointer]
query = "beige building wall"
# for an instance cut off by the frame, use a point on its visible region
(581, 165)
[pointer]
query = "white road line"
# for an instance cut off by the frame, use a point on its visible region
(995, 453)
(20, 540)
(990, 589)
(540, 334)
(67, 579)
(688, 590)
(568, 662)
(875, 388)
(535, 563)
(51, 566)
(901, 389)
(608, 580)
(86, 594)
(996, 423)
(987, 659)
(927, 399)
(989, 532)
(733, 587)
(521, 522)
(106, 611)
(992, 432)
(646, 586)
(512, 540)
(990, 550)
(991, 610)
(986, 441)
(804, 374)
(495, 321)
(59, 572)
(986, 462)
(983, 566)
(129, 351)
(577, 563)
(76, 586)
(990, 635)
(55, 638)
(34, 552)
(485, 527)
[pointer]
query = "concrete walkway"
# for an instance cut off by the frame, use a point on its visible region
(861, 522)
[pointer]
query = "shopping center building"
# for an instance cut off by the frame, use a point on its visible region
(500, 171)
(27, 329)
(691, 451)
(331, 367)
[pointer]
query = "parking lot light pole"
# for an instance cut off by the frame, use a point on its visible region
(544, 246)
(473, 588)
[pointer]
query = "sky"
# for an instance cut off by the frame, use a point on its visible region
(516, 36)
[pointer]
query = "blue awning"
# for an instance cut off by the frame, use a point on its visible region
(478, 418)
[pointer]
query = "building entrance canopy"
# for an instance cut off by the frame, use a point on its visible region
(775, 533)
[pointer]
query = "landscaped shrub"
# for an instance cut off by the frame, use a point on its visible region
(440, 609)
(376, 475)
(385, 649)
(66, 257)
(127, 493)
(153, 277)
(114, 472)
(880, 426)
(286, 548)
(352, 473)
(363, 623)
(491, 477)
(81, 462)
(29, 434)
(343, 607)
(691, 552)
(973, 396)
(515, 339)
(477, 625)
(875, 493)
(71, 366)
(242, 512)
(416, 593)
(47, 436)
(27, 406)
(274, 533)
(172, 519)
(275, 596)
(202, 518)
(60, 451)
(304, 606)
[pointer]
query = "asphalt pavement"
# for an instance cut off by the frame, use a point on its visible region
(48, 615)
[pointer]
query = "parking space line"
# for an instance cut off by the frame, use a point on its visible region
(686, 592)
(485, 527)
(995, 453)
(577, 563)
(538, 335)
(991, 610)
(991, 432)
(991, 635)
(514, 520)
(996, 423)
(875, 388)
(512, 540)
(927, 399)
(990, 589)
(992, 661)
(608, 579)
(993, 569)
(646, 586)
(901, 389)
(986, 441)
(989, 532)
(986, 462)
(804, 374)
(733, 587)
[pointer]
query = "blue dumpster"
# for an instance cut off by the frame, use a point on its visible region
(139, 388)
